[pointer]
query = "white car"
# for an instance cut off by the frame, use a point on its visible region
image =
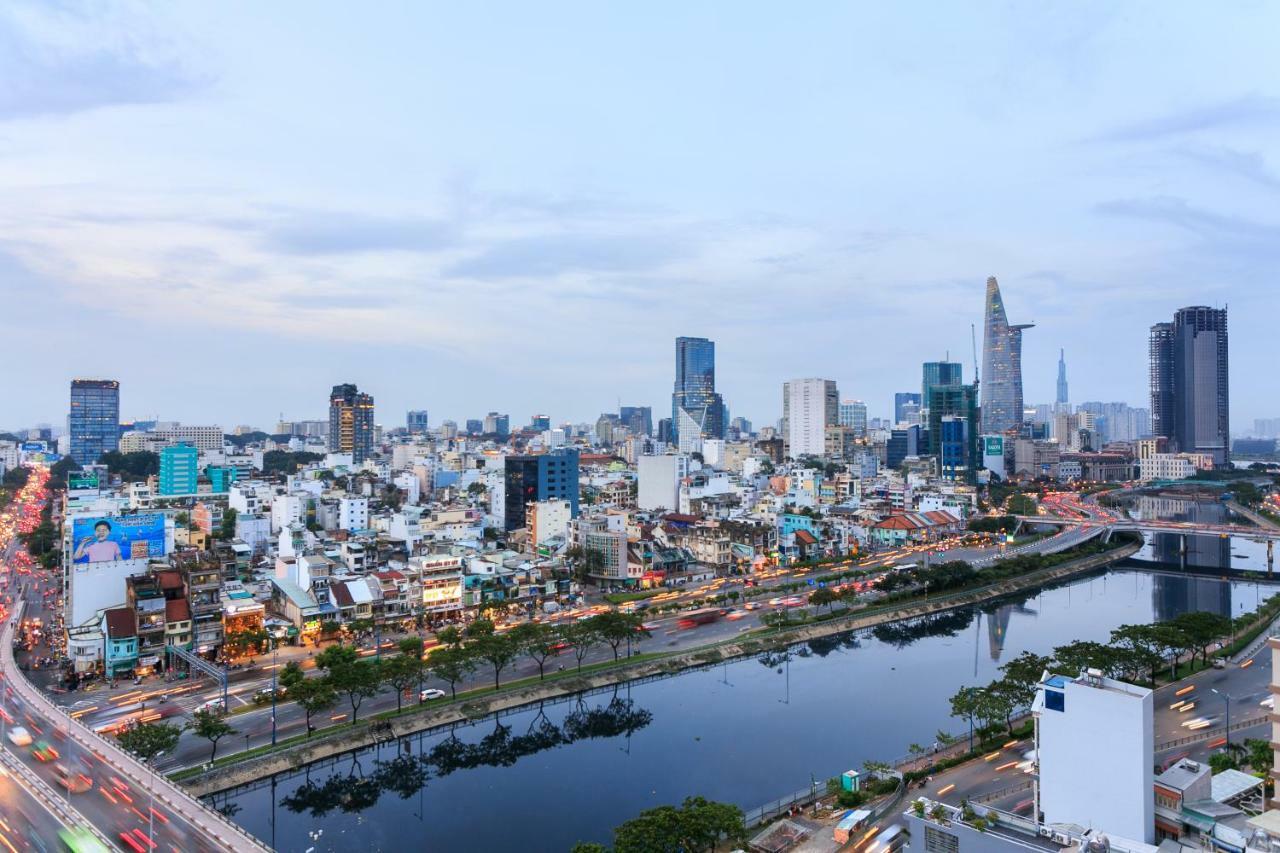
(216, 706)
(431, 693)
(18, 736)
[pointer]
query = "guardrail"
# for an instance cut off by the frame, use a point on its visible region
(47, 797)
(774, 808)
(992, 796)
(1209, 734)
(214, 826)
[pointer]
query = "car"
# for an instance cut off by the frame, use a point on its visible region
(217, 706)
(264, 695)
(73, 778)
(18, 736)
(44, 751)
(431, 693)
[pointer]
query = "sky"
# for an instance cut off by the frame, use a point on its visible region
(480, 206)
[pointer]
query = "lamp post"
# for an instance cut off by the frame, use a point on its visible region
(1227, 699)
(275, 657)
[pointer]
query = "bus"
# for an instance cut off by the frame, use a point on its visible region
(81, 840)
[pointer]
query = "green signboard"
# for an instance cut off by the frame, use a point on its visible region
(77, 480)
(993, 445)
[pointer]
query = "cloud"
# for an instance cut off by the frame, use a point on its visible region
(344, 233)
(1248, 165)
(558, 254)
(44, 73)
(1250, 109)
(1205, 223)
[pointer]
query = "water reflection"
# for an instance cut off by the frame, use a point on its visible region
(405, 775)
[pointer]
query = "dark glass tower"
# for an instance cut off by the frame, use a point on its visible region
(94, 419)
(939, 373)
(1190, 399)
(351, 422)
(544, 477)
(694, 400)
(1001, 366)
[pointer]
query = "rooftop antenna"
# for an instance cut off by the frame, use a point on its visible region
(973, 336)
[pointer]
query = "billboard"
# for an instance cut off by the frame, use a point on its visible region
(34, 447)
(993, 445)
(99, 539)
(82, 480)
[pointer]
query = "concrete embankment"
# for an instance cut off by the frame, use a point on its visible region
(364, 735)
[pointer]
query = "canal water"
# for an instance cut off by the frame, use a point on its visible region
(746, 732)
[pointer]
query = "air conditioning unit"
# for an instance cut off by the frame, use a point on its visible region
(1046, 832)
(1061, 838)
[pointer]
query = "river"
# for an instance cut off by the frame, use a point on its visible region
(745, 732)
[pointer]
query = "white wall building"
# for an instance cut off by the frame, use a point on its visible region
(548, 520)
(1094, 742)
(353, 514)
(809, 406)
(204, 438)
(658, 480)
(1165, 466)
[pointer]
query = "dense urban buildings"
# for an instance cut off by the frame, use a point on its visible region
(697, 411)
(94, 420)
(1190, 398)
(351, 422)
(1001, 366)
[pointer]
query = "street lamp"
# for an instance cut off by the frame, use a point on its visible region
(275, 657)
(1227, 699)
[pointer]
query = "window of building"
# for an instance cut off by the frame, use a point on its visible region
(937, 841)
(1055, 700)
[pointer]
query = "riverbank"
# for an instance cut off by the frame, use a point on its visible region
(238, 769)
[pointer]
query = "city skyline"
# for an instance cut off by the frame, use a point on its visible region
(1107, 177)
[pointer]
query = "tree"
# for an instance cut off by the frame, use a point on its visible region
(478, 629)
(616, 628)
(1021, 504)
(1222, 761)
(451, 664)
(401, 673)
(1260, 754)
(588, 847)
(1022, 675)
(212, 727)
(449, 636)
(538, 641)
(336, 656)
(1076, 657)
(582, 636)
(148, 740)
(823, 596)
(359, 680)
(291, 676)
(314, 695)
(695, 827)
(1202, 629)
(1140, 649)
(499, 650)
(228, 528)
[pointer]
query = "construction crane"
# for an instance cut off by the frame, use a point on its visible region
(973, 335)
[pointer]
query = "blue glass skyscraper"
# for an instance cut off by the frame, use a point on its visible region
(94, 419)
(695, 405)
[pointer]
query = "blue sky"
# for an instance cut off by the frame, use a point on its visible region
(463, 207)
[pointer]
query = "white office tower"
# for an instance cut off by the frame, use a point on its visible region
(809, 406)
(1094, 745)
(659, 481)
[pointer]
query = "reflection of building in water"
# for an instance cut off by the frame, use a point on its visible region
(998, 626)
(1172, 595)
(1213, 552)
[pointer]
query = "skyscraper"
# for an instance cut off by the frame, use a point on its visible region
(637, 419)
(902, 399)
(853, 414)
(544, 477)
(939, 373)
(953, 412)
(350, 422)
(1001, 366)
(809, 406)
(1190, 400)
(94, 419)
(1062, 378)
(416, 420)
(697, 411)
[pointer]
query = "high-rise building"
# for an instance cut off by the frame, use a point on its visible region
(959, 445)
(637, 419)
(1190, 399)
(809, 406)
(542, 477)
(900, 401)
(695, 405)
(1001, 366)
(351, 422)
(540, 423)
(496, 424)
(94, 420)
(475, 426)
(853, 414)
(1062, 378)
(416, 421)
(743, 426)
(179, 470)
(939, 373)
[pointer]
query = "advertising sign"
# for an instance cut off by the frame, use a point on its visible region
(33, 447)
(82, 480)
(994, 445)
(99, 539)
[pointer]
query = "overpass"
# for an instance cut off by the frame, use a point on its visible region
(1269, 535)
(132, 803)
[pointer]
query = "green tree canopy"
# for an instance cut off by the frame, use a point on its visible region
(695, 827)
(148, 740)
(212, 727)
